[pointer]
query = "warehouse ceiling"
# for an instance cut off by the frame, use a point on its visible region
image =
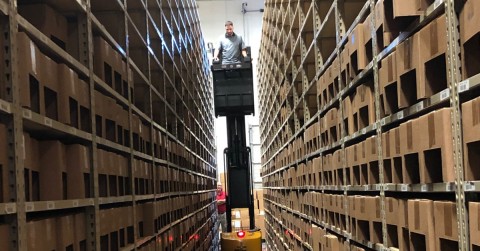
(252, 5)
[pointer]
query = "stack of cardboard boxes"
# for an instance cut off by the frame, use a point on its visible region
(54, 171)
(4, 187)
(60, 233)
(113, 176)
(51, 89)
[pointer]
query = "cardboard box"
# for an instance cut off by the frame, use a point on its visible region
(406, 8)
(469, 20)
(388, 83)
(48, 21)
(29, 72)
(4, 188)
(53, 176)
(345, 66)
(65, 229)
(80, 233)
(149, 219)
(408, 62)
(391, 210)
(41, 235)
(420, 222)
(435, 140)
(409, 144)
(471, 128)
(331, 243)
(409, 136)
(348, 109)
(104, 60)
(474, 218)
(402, 216)
(469, 38)
(4, 237)
(445, 223)
(364, 108)
(385, 22)
(68, 89)
(373, 208)
(358, 53)
(361, 208)
(317, 238)
(32, 166)
(78, 171)
(433, 46)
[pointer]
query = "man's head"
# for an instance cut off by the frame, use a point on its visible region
(229, 28)
(219, 187)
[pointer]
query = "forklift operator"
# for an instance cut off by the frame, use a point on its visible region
(230, 45)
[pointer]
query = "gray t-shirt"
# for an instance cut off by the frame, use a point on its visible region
(231, 48)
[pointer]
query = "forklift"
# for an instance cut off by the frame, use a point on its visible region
(234, 99)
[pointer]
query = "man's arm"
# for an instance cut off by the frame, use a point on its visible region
(215, 54)
(244, 53)
(217, 50)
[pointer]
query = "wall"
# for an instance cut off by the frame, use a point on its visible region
(213, 14)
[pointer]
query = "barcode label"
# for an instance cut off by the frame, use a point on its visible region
(364, 130)
(50, 205)
(383, 122)
(48, 122)
(464, 86)
(10, 209)
(400, 115)
(469, 187)
(404, 188)
(419, 106)
(444, 94)
(5, 107)
(27, 114)
(75, 203)
(423, 188)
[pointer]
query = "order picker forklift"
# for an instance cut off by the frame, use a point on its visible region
(233, 97)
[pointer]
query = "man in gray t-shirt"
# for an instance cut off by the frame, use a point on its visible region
(230, 45)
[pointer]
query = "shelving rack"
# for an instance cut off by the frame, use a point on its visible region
(136, 123)
(310, 72)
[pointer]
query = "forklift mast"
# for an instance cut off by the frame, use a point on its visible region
(233, 98)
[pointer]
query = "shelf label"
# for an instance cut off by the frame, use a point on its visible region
(444, 94)
(50, 205)
(75, 203)
(464, 86)
(383, 122)
(400, 115)
(30, 207)
(48, 122)
(5, 107)
(27, 114)
(378, 187)
(469, 187)
(423, 188)
(10, 209)
(420, 106)
(364, 130)
(404, 188)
